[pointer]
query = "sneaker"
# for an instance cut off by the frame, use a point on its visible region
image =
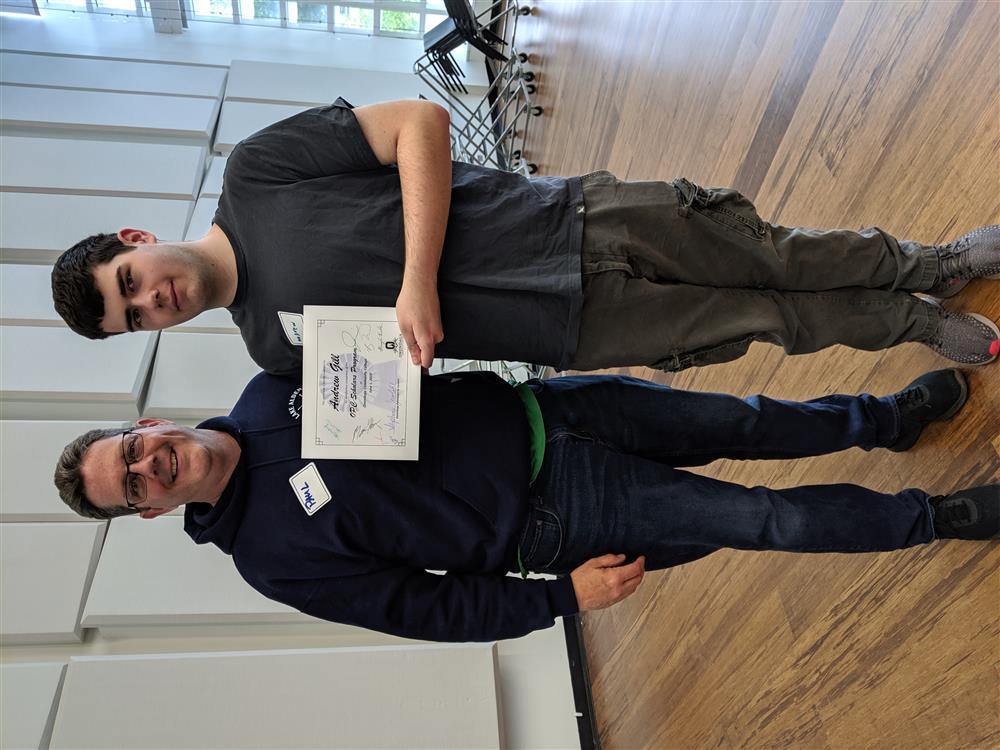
(965, 338)
(968, 514)
(972, 256)
(933, 397)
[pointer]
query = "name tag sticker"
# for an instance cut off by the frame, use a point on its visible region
(292, 323)
(309, 488)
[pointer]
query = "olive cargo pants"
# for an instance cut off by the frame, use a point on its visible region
(676, 276)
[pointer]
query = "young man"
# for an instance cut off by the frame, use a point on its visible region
(574, 476)
(363, 206)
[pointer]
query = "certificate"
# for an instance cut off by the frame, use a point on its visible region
(360, 391)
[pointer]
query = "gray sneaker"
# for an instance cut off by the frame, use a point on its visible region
(965, 338)
(972, 256)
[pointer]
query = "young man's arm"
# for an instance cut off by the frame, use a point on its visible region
(414, 135)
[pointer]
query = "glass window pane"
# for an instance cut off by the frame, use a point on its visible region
(435, 5)
(65, 4)
(354, 18)
(115, 4)
(270, 9)
(399, 20)
(307, 12)
(214, 8)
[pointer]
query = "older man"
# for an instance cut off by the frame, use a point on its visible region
(575, 476)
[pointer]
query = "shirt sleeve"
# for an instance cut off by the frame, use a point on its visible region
(451, 607)
(316, 143)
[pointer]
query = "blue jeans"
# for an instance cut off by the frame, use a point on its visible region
(609, 482)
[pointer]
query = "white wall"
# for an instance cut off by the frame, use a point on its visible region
(29, 450)
(46, 574)
(37, 227)
(391, 697)
(28, 694)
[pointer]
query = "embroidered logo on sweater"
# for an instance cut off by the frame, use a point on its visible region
(295, 404)
(309, 488)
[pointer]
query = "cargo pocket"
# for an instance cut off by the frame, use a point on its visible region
(600, 177)
(724, 206)
(709, 355)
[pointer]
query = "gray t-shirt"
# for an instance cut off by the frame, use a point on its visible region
(314, 219)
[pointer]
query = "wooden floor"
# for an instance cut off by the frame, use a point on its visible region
(827, 114)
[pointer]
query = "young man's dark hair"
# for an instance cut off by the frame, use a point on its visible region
(69, 481)
(73, 291)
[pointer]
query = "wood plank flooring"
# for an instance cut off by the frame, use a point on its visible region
(827, 114)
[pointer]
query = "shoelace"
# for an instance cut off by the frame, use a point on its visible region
(956, 259)
(914, 397)
(955, 262)
(955, 512)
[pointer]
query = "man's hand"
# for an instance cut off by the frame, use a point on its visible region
(604, 581)
(418, 312)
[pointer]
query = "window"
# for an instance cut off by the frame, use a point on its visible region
(308, 14)
(348, 18)
(400, 18)
(112, 7)
(219, 10)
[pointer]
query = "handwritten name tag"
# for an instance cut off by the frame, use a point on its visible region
(309, 488)
(292, 324)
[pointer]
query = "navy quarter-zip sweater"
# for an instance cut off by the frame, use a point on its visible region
(362, 558)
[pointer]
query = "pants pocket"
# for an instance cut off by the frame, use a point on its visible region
(725, 206)
(600, 177)
(542, 540)
(716, 354)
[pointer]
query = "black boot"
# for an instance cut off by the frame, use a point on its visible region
(932, 397)
(968, 514)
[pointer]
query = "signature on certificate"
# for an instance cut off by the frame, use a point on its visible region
(372, 430)
(365, 337)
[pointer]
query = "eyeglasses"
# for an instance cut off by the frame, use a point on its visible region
(135, 484)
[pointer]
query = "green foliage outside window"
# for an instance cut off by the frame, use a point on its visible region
(266, 9)
(311, 12)
(399, 20)
(354, 18)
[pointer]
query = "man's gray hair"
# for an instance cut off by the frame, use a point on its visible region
(69, 481)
